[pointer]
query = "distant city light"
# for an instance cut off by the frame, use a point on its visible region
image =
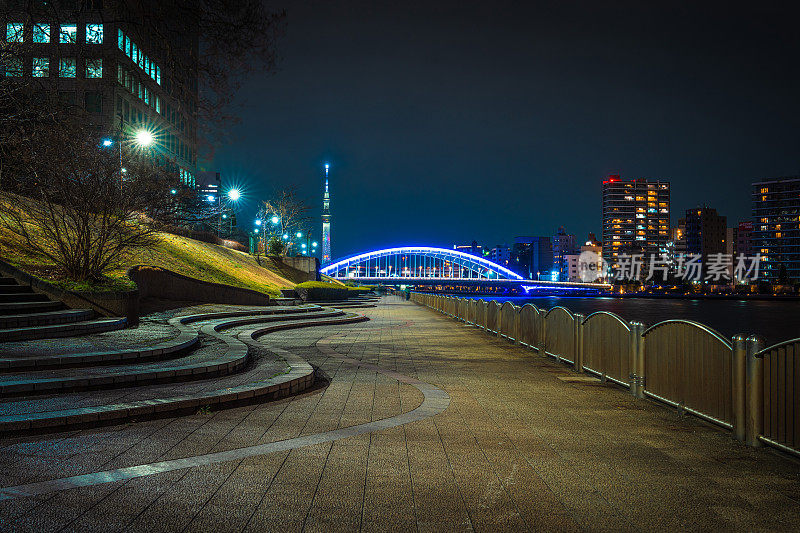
(107, 142)
(258, 222)
(299, 235)
(144, 138)
(304, 246)
(224, 216)
(314, 243)
(327, 166)
(173, 191)
(285, 237)
(123, 170)
(234, 194)
(211, 198)
(276, 219)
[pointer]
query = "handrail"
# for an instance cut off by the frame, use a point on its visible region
(570, 313)
(613, 315)
(530, 305)
(775, 346)
(698, 325)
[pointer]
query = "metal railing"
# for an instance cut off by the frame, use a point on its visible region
(733, 383)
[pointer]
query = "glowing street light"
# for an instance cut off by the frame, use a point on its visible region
(234, 194)
(258, 222)
(107, 142)
(285, 237)
(144, 138)
(211, 198)
(276, 219)
(173, 191)
(299, 235)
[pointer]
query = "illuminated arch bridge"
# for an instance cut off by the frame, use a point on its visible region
(415, 263)
(425, 265)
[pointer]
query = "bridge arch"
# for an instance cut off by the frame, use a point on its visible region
(417, 262)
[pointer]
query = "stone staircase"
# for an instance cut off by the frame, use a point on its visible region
(164, 367)
(27, 315)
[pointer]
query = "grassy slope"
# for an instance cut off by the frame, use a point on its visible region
(189, 257)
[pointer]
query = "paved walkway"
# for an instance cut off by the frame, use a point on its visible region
(521, 444)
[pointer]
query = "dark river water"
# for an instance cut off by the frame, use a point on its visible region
(774, 320)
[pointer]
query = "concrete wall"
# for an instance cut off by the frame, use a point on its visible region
(167, 285)
(116, 303)
(308, 265)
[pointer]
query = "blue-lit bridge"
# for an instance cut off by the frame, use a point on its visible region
(426, 266)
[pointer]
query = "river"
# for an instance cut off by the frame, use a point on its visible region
(774, 320)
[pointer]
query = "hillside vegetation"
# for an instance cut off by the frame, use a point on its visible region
(189, 257)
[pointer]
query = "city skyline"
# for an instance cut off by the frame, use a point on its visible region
(496, 112)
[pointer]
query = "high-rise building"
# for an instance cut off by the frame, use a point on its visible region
(635, 217)
(563, 244)
(130, 70)
(501, 254)
(326, 221)
(522, 256)
(776, 228)
(706, 234)
(742, 239)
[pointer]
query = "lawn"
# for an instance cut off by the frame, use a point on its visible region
(189, 257)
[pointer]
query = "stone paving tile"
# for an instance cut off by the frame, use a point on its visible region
(519, 448)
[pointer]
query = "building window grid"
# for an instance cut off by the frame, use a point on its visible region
(15, 32)
(67, 67)
(41, 33)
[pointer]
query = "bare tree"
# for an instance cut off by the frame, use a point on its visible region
(74, 207)
(289, 208)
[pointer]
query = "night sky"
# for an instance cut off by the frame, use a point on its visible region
(445, 122)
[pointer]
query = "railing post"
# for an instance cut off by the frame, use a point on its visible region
(739, 386)
(542, 347)
(578, 344)
(517, 325)
(637, 360)
(754, 423)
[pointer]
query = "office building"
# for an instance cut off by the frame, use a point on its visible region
(706, 234)
(563, 244)
(776, 228)
(133, 74)
(474, 248)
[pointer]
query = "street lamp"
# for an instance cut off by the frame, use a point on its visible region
(107, 142)
(143, 138)
(258, 222)
(234, 194)
(276, 219)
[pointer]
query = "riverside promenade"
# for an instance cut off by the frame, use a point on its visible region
(419, 422)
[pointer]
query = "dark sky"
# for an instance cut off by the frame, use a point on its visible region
(451, 121)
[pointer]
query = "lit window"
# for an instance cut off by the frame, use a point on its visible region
(14, 32)
(14, 67)
(94, 34)
(120, 40)
(120, 75)
(94, 68)
(66, 67)
(158, 75)
(158, 104)
(41, 67)
(41, 33)
(68, 34)
(134, 52)
(128, 46)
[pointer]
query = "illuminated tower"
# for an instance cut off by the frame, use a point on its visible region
(326, 221)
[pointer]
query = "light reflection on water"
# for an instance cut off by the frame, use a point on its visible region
(774, 320)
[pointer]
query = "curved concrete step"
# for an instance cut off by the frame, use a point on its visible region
(20, 360)
(26, 296)
(191, 366)
(47, 318)
(15, 289)
(72, 329)
(259, 383)
(13, 308)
